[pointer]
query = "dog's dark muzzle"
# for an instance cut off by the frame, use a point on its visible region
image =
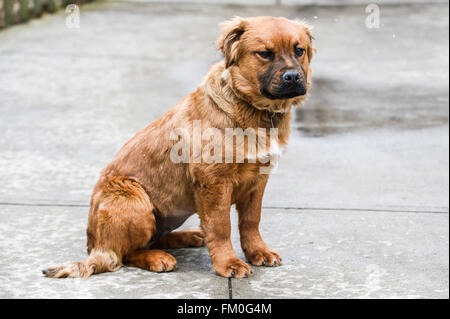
(291, 85)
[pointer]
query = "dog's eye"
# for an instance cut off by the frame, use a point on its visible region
(267, 55)
(299, 52)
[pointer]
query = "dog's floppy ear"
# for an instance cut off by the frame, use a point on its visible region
(308, 29)
(228, 42)
(311, 49)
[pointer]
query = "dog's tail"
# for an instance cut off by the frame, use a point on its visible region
(96, 263)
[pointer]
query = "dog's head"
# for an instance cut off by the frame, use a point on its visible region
(268, 60)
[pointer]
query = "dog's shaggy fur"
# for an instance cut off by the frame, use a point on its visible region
(142, 195)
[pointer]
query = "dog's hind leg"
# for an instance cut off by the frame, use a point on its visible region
(181, 239)
(154, 260)
(121, 221)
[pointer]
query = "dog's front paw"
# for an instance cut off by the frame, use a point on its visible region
(232, 268)
(263, 257)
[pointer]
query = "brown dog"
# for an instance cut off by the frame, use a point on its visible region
(143, 195)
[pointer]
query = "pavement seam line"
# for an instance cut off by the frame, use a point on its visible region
(230, 289)
(387, 210)
(42, 205)
(375, 210)
(84, 55)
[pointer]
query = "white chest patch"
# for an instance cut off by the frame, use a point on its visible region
(271, 156)
(273, 153)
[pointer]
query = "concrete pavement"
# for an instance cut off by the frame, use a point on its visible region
(358, 207)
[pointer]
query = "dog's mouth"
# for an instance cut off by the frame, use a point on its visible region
(269, 95)
(285, 93)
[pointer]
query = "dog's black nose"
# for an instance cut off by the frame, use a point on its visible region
(292, 77)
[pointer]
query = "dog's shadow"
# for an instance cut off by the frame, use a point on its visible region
(192, 259)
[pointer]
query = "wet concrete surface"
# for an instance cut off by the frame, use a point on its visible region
(365, 178)
(395, 80)
(37, 236)
(326, 254)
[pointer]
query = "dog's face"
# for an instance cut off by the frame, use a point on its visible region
(268, 59)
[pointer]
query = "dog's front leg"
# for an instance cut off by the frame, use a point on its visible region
(214, 203)
(249, 209)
